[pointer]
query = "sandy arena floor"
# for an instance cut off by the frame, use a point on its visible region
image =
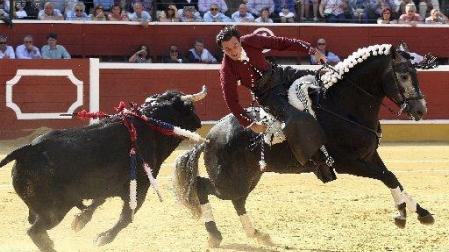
(300, 213)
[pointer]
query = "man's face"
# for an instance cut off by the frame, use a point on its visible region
(199, 46)
(28, 43)
(243, 10)
(138, 8)
(321, 44)
(214, 9)
(51, 42)
(232, 48)
(2, 43)
(48, 9)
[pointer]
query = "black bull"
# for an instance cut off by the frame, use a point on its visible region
(349, 117)
(60, 169)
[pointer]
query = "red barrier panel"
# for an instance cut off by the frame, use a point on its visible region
(95, 39)
(35, 96)
(48, 87)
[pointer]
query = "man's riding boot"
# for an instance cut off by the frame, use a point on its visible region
(304, 135)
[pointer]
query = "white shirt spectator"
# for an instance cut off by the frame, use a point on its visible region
(255, 6)
(144, 16)
(8, 53)
(204, 5)
(205, 57)
(23, 53)
(237, 17)
(263, 20)
(218, 17)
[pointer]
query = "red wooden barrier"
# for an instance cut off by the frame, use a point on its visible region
(90, 38)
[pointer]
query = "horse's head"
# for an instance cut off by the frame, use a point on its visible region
(401, 83)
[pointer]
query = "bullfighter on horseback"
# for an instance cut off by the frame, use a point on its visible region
(244, 61)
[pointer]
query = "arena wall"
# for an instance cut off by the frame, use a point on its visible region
(114, 39)
(43, 91)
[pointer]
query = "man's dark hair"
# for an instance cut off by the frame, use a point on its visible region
(226, 34)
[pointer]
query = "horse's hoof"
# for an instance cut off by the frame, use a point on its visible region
(78, 223)
(103, 239)
(263, 238)
(214, 242)
(400, 221)
(427, 219)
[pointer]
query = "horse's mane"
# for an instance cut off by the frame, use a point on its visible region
(357, 57)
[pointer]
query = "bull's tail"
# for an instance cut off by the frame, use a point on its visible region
(185, 177)
(16, 154)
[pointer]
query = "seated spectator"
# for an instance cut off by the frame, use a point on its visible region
(57, 4)
(411, 17)
(52, 50)
(242, 15)
(331, 58)
(78, 13)
(373, 8)
(20, 13)
(215, 15)
(264, 16)
(436, 17)
(199, 54)
(233, 6)
(142, 55)
(205, 5)
(170, 14)
(305, 9)
(333, 10)
(117, 14)
(32, 8)
(188, 15)
(4, 6)
(27, 50)
(181, 4)
(6, 51)
(256, 6)
(69, 6)
(386, 17)
(173, 55)
(50, 13)
(139, 14)
(286, 9)
(98, 14)
(106, 4)
(358, 10)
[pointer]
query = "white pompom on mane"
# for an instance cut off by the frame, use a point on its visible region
(331, 77)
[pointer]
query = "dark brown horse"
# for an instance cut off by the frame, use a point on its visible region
(349, 115)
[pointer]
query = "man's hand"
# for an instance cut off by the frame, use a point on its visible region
(257, 127)
(319, 57)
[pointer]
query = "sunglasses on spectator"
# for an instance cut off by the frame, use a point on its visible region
(2, 42)
(173, 51)
(214, 9)
(321, 43)
(78, 10)
(28, 42)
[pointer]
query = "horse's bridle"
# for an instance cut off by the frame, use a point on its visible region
(403, 101)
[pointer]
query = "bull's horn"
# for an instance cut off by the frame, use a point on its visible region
(195, 97)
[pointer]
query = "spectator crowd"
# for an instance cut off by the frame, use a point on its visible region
(259, 11)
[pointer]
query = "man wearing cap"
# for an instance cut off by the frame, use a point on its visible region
(52, 50)
(244, 61)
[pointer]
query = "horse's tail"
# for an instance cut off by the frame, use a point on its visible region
(16, 154)
(185, 177)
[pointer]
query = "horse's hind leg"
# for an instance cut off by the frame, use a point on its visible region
(205, 188)
(85, 216)
(247, 225)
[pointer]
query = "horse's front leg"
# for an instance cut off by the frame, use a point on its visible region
(375, 168)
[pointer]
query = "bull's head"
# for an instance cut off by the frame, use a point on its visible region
(175, 107)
